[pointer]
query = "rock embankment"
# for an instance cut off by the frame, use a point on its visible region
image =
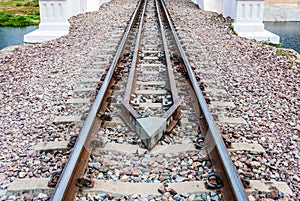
(36, 82)
(262, 81)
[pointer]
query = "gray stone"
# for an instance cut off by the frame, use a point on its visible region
(150, 130)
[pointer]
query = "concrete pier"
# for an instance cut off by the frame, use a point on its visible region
(54, 23)
(54, 15)
(248, 17)
(248, 21)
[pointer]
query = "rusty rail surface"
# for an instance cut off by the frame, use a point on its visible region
(66, 188)
(131, 77)
(173, 112)
(79, 156)
(233, 188)
(173, 88)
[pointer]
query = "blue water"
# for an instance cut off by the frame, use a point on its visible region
(289, 33)
(13, 35)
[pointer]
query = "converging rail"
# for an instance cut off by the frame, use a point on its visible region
(81, 150)
(151, 128)
(233, 186)
(161, 94)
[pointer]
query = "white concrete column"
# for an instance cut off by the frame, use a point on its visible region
(248, 21)
(249, 16)
(200, 4)
(226, 7)
(229, 8)
(103, 1)
(194, 1)
(210, 5)
(75, 7)
(54, 15)
(54, 23)
(92, 5)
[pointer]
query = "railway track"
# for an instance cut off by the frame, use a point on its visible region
(150, 99)
(149, 133)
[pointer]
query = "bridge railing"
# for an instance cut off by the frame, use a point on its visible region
(54, 15)
(247, 16)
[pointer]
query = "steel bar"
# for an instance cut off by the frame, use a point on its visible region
(237, 189)
(132, 73)
(169, 67)
(69, 175)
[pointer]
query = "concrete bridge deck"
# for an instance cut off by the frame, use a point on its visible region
(252, 73)
(248, 16)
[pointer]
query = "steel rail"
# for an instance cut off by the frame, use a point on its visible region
(237, 190)
(69, 175)
(171, 77)
(132, 73)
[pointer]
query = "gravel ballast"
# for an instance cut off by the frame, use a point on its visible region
(37, 80)
(261, 80)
